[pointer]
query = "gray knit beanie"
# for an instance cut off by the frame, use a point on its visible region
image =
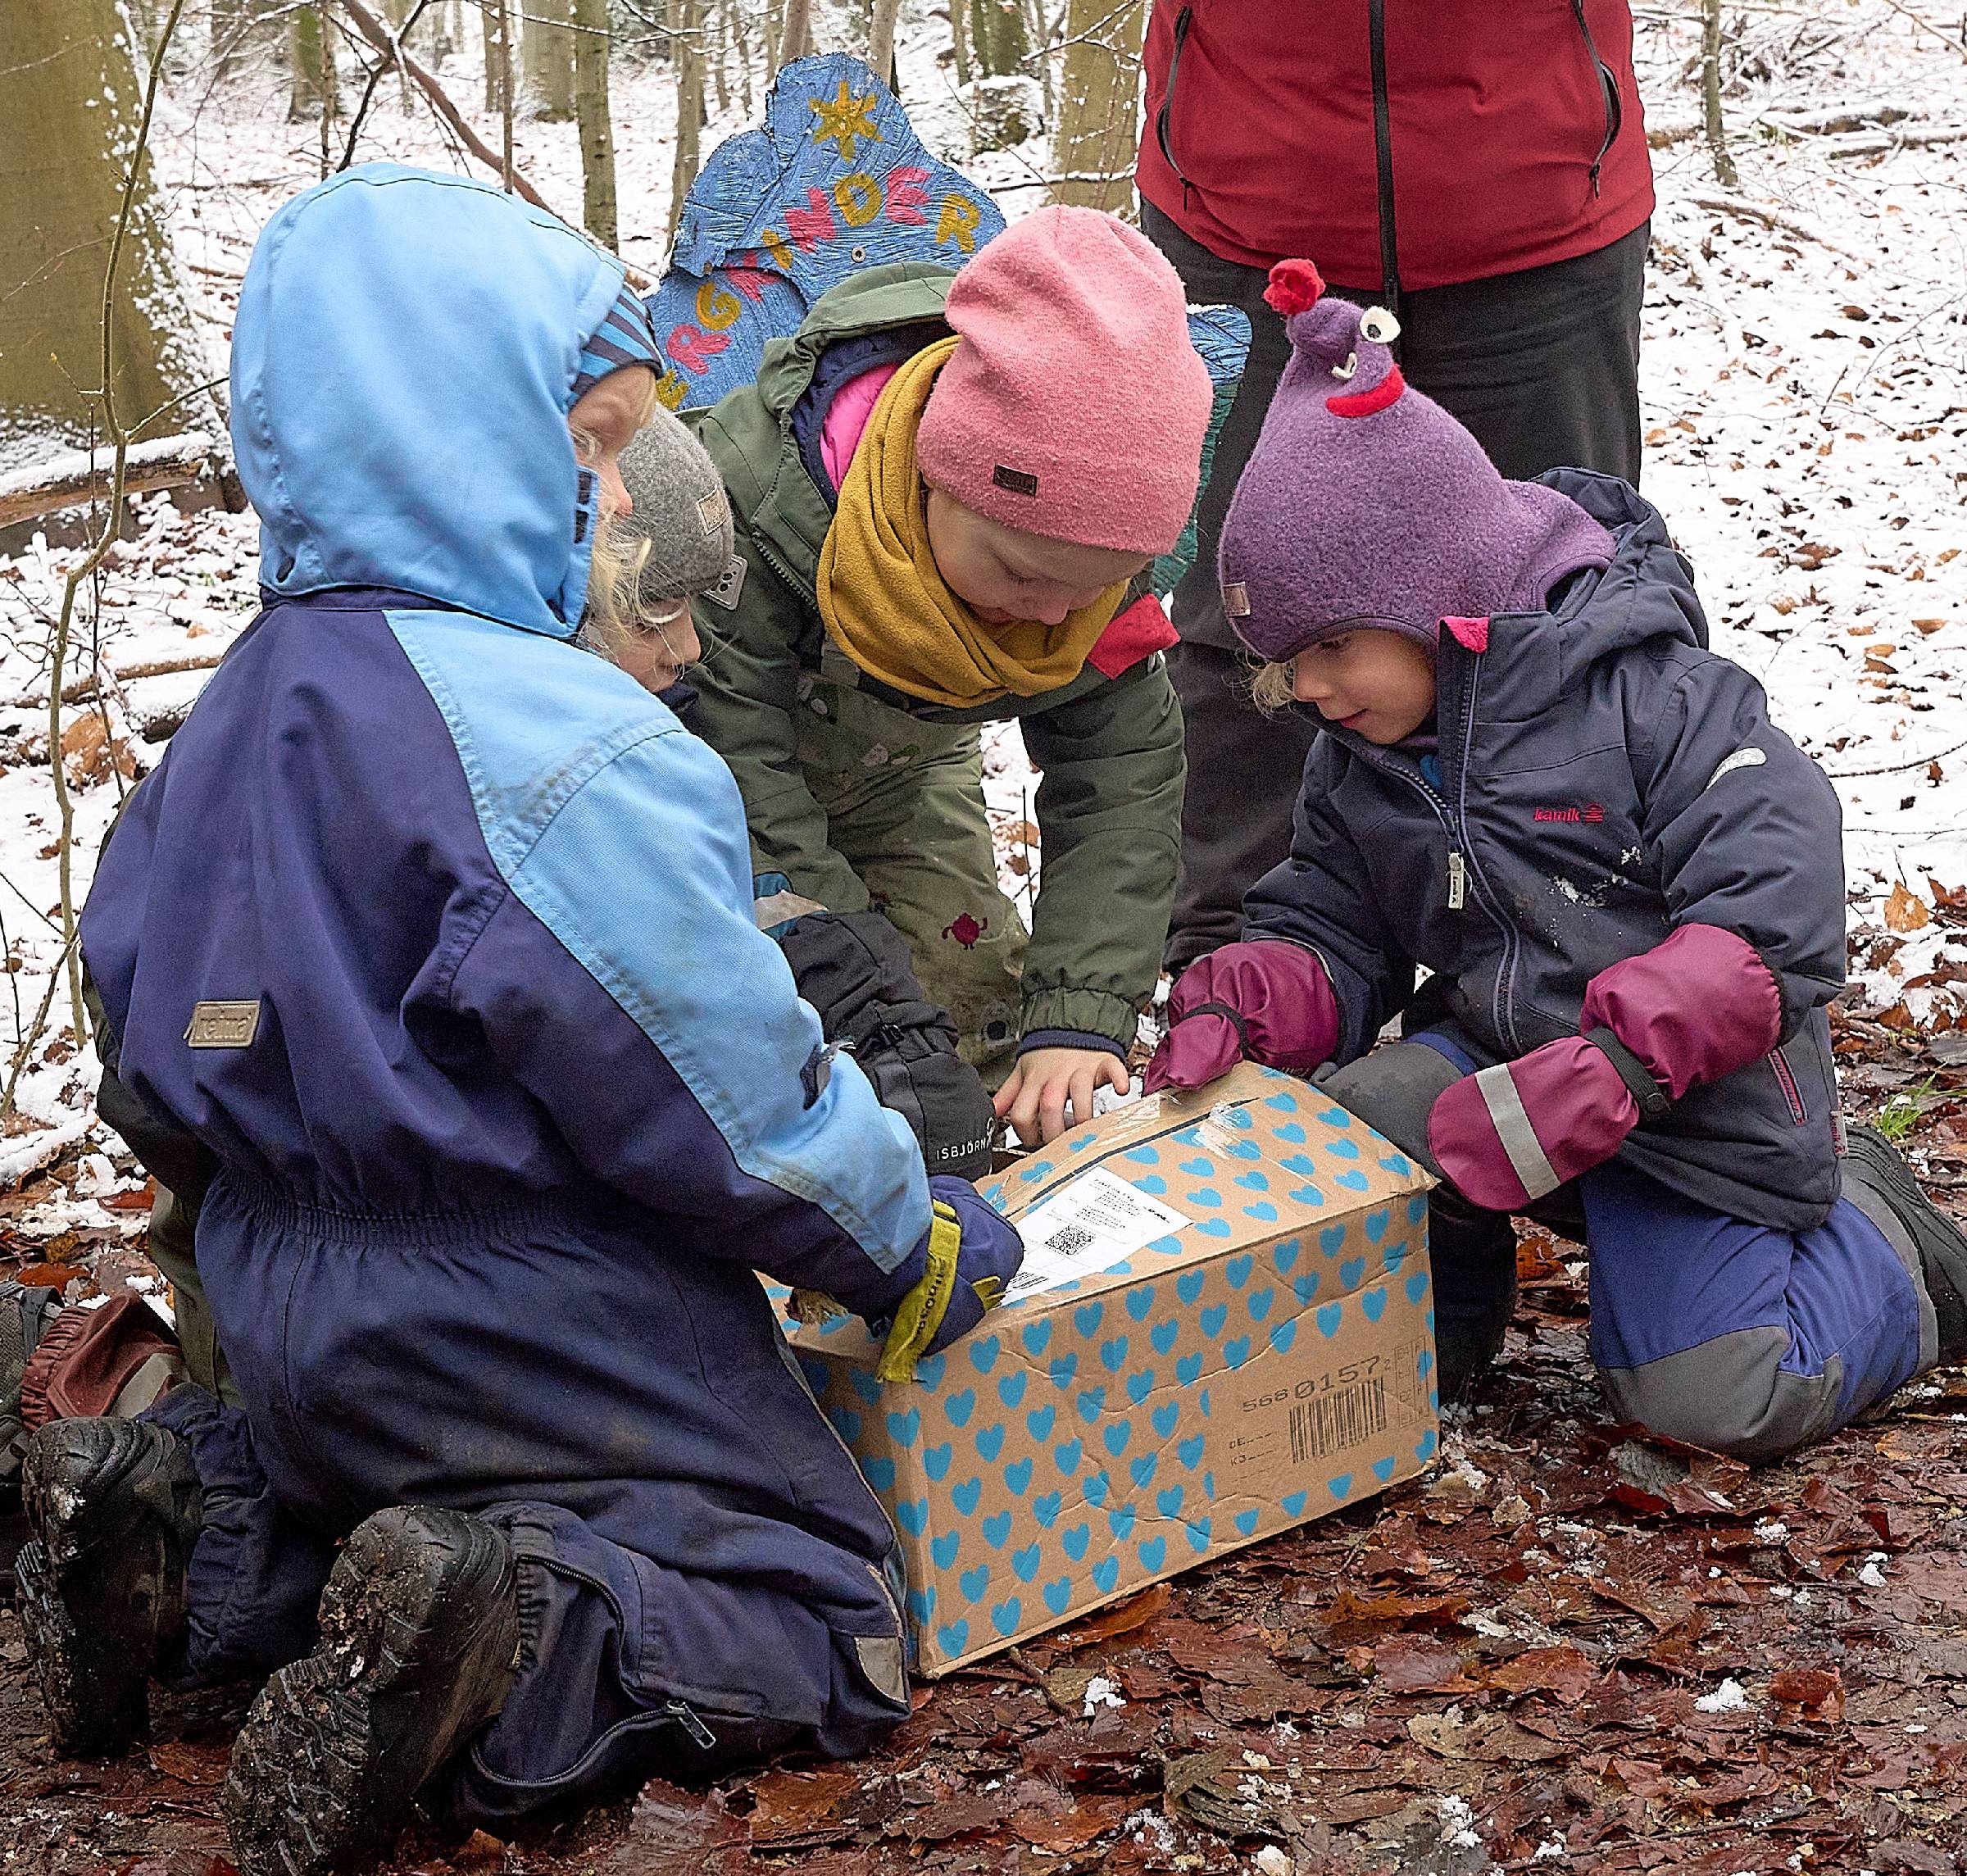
(681, 509)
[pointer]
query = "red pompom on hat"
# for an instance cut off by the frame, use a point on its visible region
(1295, 286)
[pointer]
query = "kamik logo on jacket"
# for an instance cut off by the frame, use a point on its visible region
(1591, 813)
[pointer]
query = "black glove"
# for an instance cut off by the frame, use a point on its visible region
(855, 971)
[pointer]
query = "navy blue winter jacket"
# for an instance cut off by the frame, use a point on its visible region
(1602, 780)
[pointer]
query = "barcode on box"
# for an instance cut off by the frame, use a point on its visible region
(1069, 1238)
(1329, 1423)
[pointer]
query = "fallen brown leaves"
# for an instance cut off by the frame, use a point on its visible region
(1574, 1647)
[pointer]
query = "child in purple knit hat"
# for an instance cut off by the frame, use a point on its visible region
(1625, 885)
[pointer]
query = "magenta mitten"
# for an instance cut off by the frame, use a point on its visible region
(1693, 1009)
(1264, 1002)
(1513, 1132)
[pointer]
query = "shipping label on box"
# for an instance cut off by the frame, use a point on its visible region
(1224, 1326)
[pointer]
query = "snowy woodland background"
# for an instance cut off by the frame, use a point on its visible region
(1804, 372)
(1805, 384)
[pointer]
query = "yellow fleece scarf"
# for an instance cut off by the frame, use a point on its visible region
(886, 606)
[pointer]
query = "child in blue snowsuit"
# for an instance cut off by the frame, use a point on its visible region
(434, 931)
(1625, 886)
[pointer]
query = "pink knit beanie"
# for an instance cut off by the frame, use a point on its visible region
(1075, 406)
(1365, 503)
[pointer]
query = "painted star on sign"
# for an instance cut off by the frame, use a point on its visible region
(844, 119)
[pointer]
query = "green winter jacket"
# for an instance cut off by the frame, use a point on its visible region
(1109, 807)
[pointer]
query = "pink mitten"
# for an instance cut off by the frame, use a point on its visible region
(1695, 1007)
(1511, 1133)
(1264, 1001)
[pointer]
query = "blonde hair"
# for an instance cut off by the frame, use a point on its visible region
(1271, 686)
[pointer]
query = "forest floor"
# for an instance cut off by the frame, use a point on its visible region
(1569, 1648)
(1566, 1648)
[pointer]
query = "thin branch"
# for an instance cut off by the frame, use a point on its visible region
(375, 78)
(377, 35)
(1924, 24)
(83, 688)
(1773, 218)
(84, 568)
(38, 1026)
(1897, 768)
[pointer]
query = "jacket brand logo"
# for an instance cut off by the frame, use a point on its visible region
(224, 1025)
(1591, 813)
(1016, 480)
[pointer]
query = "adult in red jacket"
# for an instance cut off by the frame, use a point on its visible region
(1476, 166)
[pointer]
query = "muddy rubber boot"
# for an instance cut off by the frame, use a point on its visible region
(114, 1508)
(420, 1636)
(1941, 1245)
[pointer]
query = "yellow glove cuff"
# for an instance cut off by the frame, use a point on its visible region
(919, 1313)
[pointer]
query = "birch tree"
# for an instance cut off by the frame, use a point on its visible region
(69, 100)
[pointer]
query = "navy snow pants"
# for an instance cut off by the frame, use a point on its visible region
(703, 1575)
(1732, 1336)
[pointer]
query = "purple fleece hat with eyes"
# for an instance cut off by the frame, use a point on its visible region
(1366, 504)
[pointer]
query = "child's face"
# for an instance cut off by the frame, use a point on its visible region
(1005, 576)
(604, 420)
(1380, 684)
(656, 646)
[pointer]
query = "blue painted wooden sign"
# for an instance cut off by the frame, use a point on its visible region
(837, 180)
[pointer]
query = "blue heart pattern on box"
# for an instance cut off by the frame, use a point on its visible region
(1133, 1469)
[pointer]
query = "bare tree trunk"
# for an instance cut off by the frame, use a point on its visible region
(796, 40)
(549, 59)
(596, 126)
(310, 54)
(506, 98)
(68, 99)
(958, 37)
(231, 23)
(1710, 95)
(490, 15)
(1098, 112)
(741, 47)
(713, 55)
(996, 36)
(686, 55)
(881, 40)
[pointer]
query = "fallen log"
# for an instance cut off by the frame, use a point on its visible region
(84, 476)
(84, 688)
(1664, 132)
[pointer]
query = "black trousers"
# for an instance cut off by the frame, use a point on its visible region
(1541, 366)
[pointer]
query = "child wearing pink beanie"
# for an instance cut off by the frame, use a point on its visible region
(947, 493)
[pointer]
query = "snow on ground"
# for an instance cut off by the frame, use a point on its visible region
(1804, 386)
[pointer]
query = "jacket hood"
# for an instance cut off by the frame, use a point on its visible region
(1534, 658)
(403, 361)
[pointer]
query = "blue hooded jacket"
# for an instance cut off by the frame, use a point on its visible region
(492, 903)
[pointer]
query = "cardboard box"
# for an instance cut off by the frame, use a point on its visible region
(1267, 1361)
